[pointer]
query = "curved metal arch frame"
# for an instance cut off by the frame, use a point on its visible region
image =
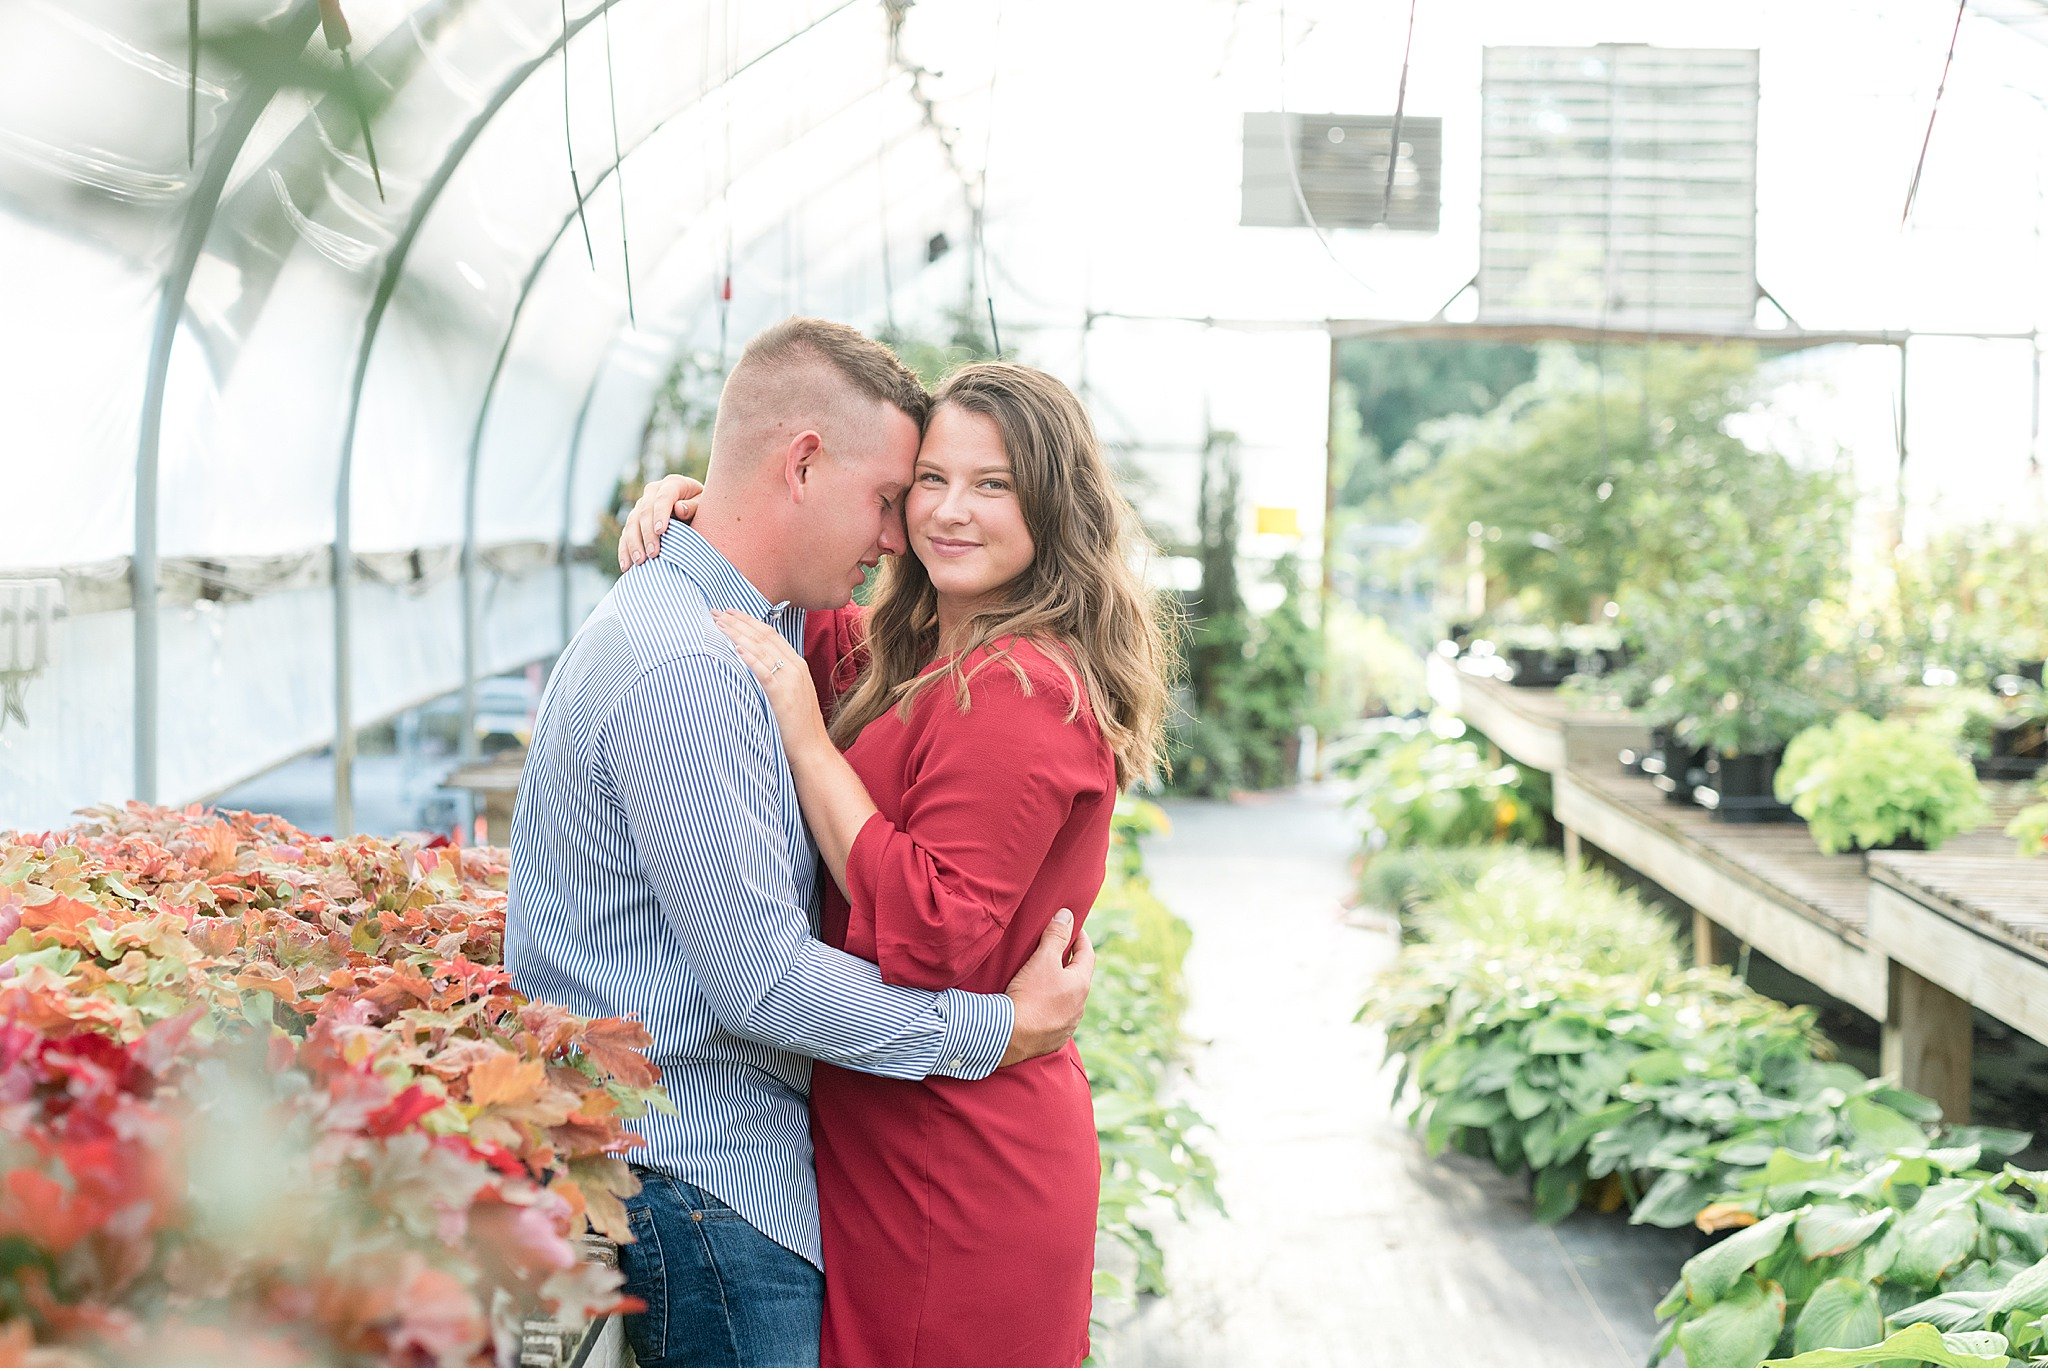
(342, 576)
(144, 580)
(471, 620)
(570, 469)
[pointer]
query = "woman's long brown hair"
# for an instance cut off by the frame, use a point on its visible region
(1082, 598)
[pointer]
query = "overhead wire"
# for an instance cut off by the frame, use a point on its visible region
(1927, 139)
(1287, 134)
(569, 139)
(619, 170)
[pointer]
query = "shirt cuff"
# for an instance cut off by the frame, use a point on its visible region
(978, 1031)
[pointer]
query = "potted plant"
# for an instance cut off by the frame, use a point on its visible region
(1529, 654)
(1861, 784)
(2004, 730)
(1595, 649)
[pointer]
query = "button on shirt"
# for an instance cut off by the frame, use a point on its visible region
(661, 871)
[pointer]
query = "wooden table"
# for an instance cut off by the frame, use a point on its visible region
(1915, 940)
(495, 783)
(1534, 725)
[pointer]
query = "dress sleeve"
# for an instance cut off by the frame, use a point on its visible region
(836, 651)
(991, 788)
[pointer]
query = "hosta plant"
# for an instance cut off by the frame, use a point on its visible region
(1829, 1253)
(1860, 783)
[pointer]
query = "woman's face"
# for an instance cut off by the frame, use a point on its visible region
(965, 520)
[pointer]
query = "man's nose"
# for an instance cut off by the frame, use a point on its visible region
(894, 540)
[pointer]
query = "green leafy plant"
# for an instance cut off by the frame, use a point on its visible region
(1437, 789)
(1151, 1151)
(1860, 783)
(1830, 1253)
(2029, 827)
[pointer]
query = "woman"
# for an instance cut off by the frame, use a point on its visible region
(1008, 680)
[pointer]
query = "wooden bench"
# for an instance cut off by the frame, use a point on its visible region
(1534, 725)
(1915, 940)
(1964, 927)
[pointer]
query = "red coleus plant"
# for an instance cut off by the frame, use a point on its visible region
(264, 1094)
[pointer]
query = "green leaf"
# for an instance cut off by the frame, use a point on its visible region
(1674, 1200)
(1829, 1230)
(1920, 1345)
(1929, 1247)
(1739, 1330)
(2028, 1290)
(1961, 1311)
(1557, 1192)
(1877, 1128)
(1842, 1313)
(1525, 1101)
(1709, 1276)
(1559, 1036)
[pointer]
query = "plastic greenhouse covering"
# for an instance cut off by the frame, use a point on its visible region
(435, 366)
(233, 366)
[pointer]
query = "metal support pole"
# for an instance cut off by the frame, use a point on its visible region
(292, 34)
(1899, 531)
(387, 286)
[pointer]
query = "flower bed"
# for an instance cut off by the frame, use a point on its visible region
(272, 1097)
(1152, 1160)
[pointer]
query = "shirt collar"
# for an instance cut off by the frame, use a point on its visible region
(683, 548)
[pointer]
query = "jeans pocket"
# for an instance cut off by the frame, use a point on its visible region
(646, 1278)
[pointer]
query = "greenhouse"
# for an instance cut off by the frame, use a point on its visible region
(1494, 557)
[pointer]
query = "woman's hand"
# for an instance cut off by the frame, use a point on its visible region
(783, 676)
(640, 536)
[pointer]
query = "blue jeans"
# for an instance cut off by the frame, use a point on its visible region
(718, 1292)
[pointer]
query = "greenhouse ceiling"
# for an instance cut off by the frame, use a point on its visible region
(317, 368)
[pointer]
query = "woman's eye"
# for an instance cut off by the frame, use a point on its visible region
(931, 477)
(994, 484)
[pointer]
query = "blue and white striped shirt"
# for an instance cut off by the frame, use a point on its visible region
(661, 870)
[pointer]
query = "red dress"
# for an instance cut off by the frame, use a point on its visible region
(959, 1216)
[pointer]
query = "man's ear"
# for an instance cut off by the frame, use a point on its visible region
(800, 463)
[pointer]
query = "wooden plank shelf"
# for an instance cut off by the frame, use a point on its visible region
(1764, 883)
(1916, 940)
(1532, 724)
(1972, 919)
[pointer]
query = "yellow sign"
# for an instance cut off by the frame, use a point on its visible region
(1281, 519)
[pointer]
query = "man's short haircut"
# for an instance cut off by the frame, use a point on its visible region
(861, 362)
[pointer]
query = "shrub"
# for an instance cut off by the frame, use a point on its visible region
(1830, 1252)
(1421, 787)
(270, 1095)
(1861, 784)
(1150, 1146)
(2029, 827)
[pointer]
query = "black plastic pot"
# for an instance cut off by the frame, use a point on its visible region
(1538, 666)
(2017, 754)
(1738, 789)
(1673, 766)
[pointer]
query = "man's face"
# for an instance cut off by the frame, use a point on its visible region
(852, 514)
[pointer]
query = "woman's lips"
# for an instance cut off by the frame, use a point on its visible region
(951, 547)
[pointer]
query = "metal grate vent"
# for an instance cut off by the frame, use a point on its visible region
(1618, 185)
(1342, 162)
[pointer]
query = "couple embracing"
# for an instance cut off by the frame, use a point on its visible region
(831, 858)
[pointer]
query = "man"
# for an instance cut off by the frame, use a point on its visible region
(661, 868)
